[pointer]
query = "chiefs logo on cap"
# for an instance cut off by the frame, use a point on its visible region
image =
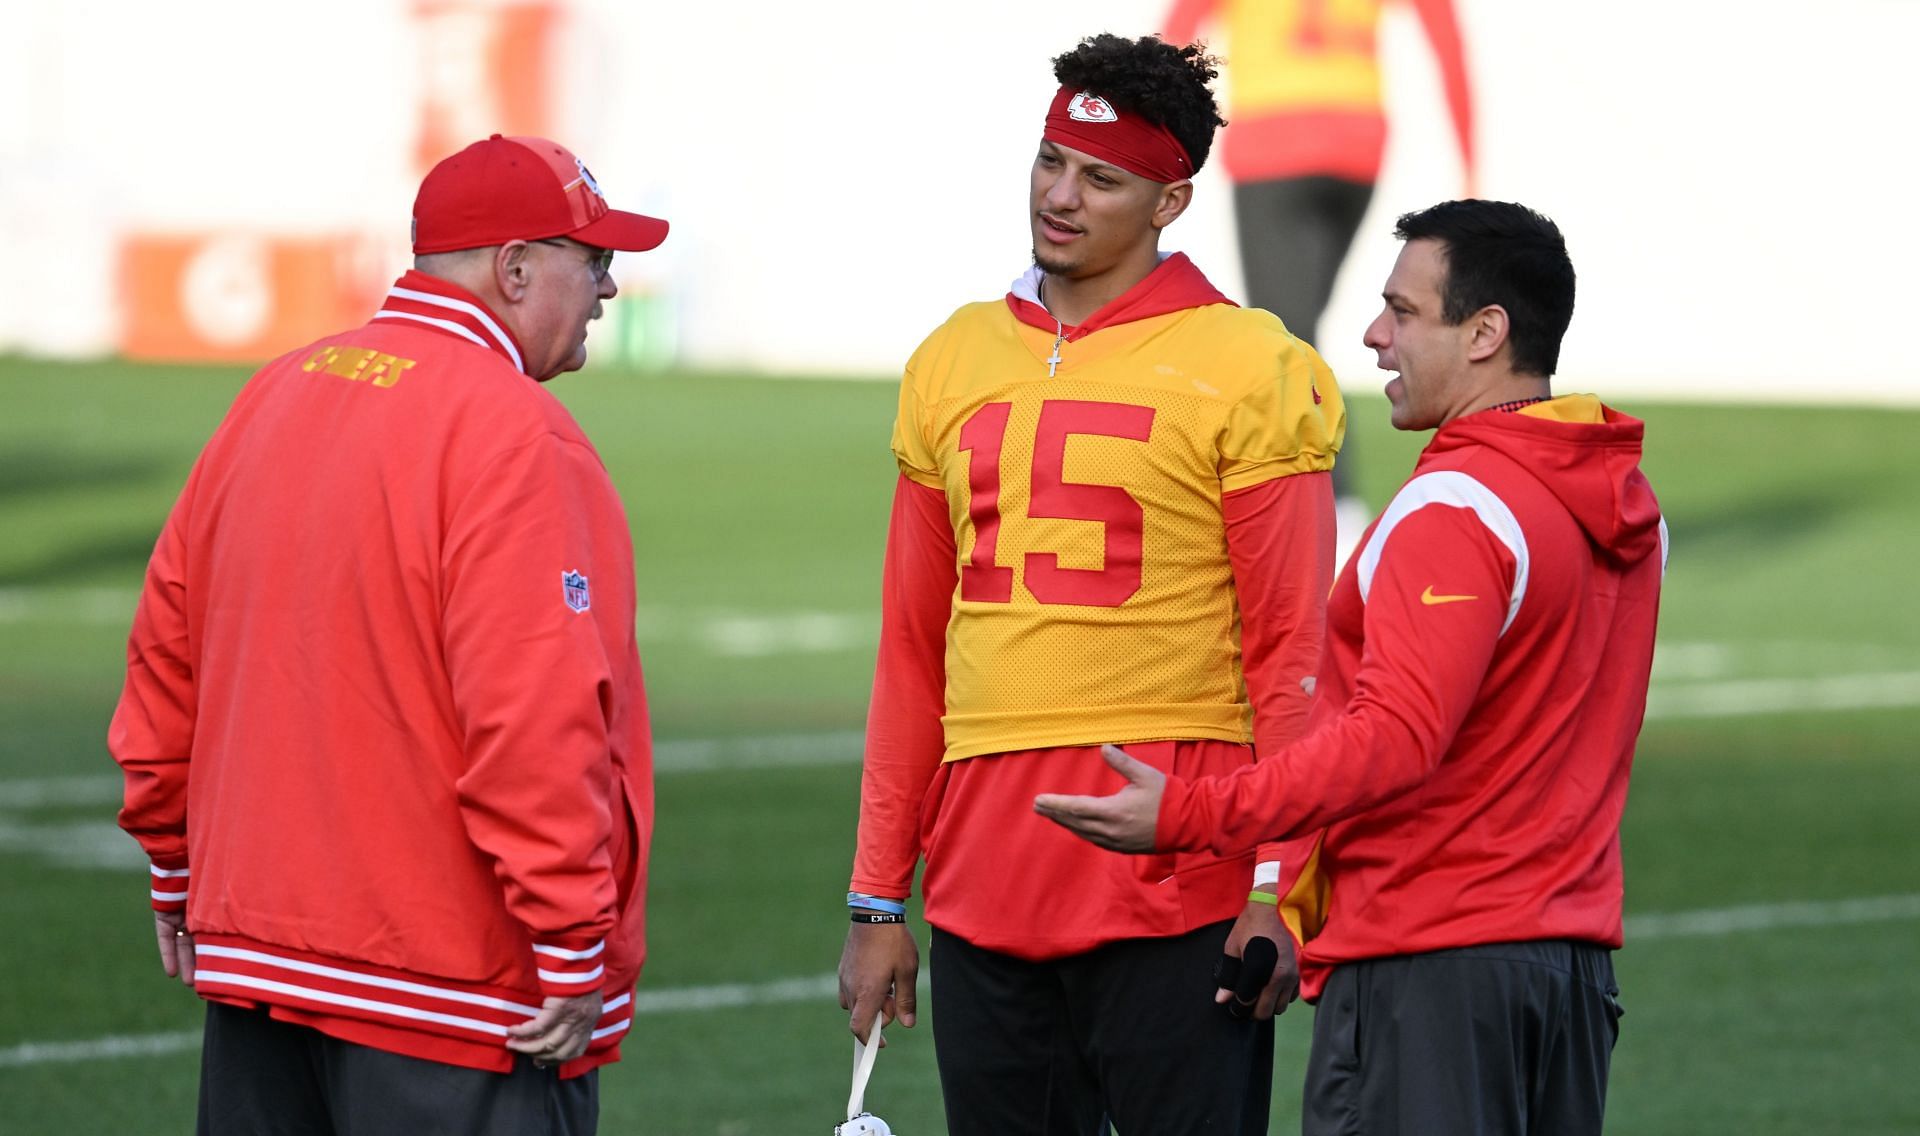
(587, 177)
(1091, 108)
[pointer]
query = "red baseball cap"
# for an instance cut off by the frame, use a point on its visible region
(526, 189)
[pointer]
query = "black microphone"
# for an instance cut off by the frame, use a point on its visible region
(1257, 960)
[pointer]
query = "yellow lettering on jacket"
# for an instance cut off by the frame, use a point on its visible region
(358, 364)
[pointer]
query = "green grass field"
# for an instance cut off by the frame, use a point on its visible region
(1778, 775)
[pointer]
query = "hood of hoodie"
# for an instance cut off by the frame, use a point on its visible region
(1592, 467)
(1174, 285)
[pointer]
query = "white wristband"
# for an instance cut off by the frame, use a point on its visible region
(1266, 873)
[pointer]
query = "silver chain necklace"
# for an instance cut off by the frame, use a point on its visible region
(1059, 331)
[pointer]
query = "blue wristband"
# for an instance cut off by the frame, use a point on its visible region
(860, 900)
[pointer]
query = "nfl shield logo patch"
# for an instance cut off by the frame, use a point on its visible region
(574, 587)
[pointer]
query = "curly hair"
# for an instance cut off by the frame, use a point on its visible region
(1164, 84)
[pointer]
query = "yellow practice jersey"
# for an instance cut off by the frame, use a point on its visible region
(1303, 83)
(1302, 55)
(1095, 599)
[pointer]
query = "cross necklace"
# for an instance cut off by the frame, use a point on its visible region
(1059, 333)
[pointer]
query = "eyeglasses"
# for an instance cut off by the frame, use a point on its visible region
(598, 259)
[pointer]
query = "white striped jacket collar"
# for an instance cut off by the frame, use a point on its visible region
(436, 303)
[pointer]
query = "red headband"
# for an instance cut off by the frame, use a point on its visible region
(1090, 124)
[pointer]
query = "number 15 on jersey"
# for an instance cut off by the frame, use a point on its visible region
(983, 436)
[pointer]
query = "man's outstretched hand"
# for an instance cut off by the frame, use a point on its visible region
(1122, 822)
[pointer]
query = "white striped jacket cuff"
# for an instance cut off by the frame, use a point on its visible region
(168, 888)
(568, 972)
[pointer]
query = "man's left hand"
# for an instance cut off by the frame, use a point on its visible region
(1122, 822)
(560, 1032)
(1263, 919)
(176, 945)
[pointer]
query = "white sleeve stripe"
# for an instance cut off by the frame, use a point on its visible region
(1456, 489)
(564, 979)
(563, 953)
(616, 1027)
(1663, 546)
(170, 874)
(622, 1000)
(168, 896)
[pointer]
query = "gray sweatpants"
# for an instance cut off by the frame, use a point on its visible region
(1507, 1039)
(261, 1077)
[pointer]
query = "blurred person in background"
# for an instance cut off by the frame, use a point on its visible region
(1113, 522)
(383, 730)
(1306, 130)
(1455, 806)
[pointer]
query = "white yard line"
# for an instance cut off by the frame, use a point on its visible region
(90, 843)
(1667, 701)
(78, 791)
(90, 606)
(98, 1049)
(1708, 923)
(1771, 916)
(680, 755)
(95, 842)
(685, 999)
(770, 751)
(1743, 697)
(719, 632)
(1690, 678)
(732, 996)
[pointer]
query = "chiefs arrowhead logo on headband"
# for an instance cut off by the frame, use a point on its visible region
(1091, 108)
(1088, 123)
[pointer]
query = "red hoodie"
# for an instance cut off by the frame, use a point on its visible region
(1484, 681)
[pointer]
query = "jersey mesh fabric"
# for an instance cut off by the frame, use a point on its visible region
(1084, 640)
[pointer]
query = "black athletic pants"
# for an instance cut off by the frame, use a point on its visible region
(1509, 1039)
(1127, 1033)
(261, 1077)
(1294, 234)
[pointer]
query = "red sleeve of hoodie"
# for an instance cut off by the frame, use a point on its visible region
(905, 741)
(532, 686)
(151, 736)
(1280, 538)
(1418, 676)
